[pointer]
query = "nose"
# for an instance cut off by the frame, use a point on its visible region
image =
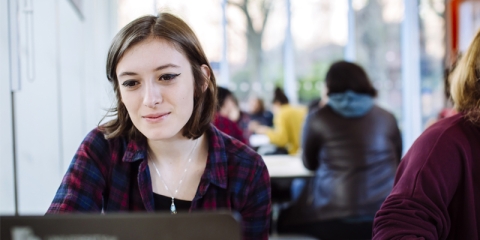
(153, 95)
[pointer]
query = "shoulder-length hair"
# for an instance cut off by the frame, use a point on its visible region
(171, 28)
(465, 83)
(279, 97)
(343, 76)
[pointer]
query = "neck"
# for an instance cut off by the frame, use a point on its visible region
(173, 151)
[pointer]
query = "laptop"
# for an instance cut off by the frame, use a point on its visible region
(122, 226)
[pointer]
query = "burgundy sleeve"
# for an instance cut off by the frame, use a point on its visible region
(425, 184)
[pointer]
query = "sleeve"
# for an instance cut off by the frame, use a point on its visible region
(256, 212)
(311, 142)
(279, 135)
(82, 187)
(426, 182)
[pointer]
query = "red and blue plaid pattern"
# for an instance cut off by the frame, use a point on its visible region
(113, 176)
(229, 127)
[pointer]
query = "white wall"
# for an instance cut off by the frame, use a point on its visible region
(64, 99)
(7, 200)
(37, 119)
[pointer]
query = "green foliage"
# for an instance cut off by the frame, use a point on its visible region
(308, 89)
(241, 77)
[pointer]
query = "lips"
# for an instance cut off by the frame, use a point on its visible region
(156, 116)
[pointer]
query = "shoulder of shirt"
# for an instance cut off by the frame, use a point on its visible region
(380, 111)
(452, 129)
(291, 109)
(96, 138)
(320, 113)
(237, 151)
(327, 110)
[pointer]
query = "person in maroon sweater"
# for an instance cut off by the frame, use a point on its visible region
(436, 194)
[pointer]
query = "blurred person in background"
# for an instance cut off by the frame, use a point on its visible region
(160, 151)
(437, 186)
(228, 127)
(228, 107)
(354, 148)
(258, 112)
(287, 124)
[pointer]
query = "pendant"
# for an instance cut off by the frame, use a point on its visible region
(173, 209)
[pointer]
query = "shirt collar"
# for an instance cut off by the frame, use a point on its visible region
(216, 170)
(135, 151)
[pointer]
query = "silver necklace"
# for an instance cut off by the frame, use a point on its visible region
(173, 209)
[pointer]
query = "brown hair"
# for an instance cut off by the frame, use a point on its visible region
(343, 76)
(279, 96)
(465, 83)
(260, 106)
(171, 28)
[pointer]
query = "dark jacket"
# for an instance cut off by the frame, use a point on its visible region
(355, 160)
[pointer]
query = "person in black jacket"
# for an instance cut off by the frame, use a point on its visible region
(355, 147)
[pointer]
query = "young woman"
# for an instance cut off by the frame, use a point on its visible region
(437, 187)
(160, 152)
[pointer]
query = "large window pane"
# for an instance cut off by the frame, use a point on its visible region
(432, 43)
(378, 28)
(204, 17)
(320, 30)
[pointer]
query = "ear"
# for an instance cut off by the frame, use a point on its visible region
(207, 73)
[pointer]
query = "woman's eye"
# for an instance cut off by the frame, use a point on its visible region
(129, 83)
(167, 77)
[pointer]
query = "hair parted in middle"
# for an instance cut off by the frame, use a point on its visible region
(343, 76)
(174, 30)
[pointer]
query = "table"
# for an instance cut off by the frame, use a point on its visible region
(286, 166)
(257, 140)
(283, 169)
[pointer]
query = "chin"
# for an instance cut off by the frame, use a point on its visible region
(155, 135)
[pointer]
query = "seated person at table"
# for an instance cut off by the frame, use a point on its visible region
(228, 107)
(229, 127)
(258, 112)
(161, 152)
(287, 122)
(354, 148)
(437, 188)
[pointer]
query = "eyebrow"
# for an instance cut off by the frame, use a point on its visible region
(156, 69)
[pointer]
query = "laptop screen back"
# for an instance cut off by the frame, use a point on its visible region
(120, 226)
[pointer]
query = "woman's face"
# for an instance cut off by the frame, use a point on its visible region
(230, 109)
(227, 107)
(254, 105)
(157, 87)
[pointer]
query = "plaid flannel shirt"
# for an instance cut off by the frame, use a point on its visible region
(113, 176)
(229, 127)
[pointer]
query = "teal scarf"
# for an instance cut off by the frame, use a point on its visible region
(350, 104)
